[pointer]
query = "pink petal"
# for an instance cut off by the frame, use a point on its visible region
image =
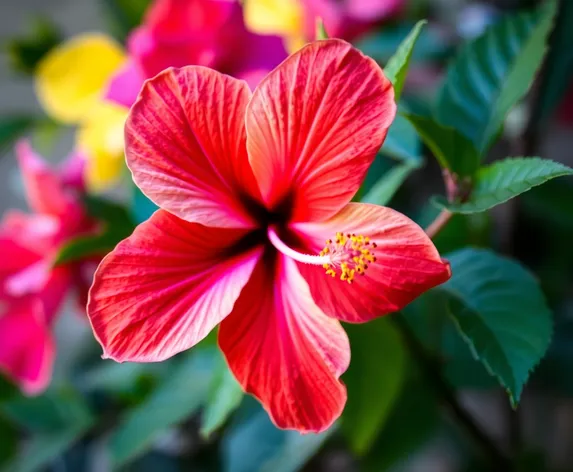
(165, 287)
(153, 55)
(373, 10)
(125, 85)
(179, 19)
(39, 233)
(285, 351)
(407, 263)
(26, 346)
(179, 33)
(185, 145)
(44, 189)
(54, 291)
(14, 256)
(72, 171)
(314, 126)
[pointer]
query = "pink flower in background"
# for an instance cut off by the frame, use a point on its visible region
(31, 288)
(255, 230)
(349, 19)
(210, 33)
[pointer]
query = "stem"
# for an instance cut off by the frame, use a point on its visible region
(437, 225)
(435, 378)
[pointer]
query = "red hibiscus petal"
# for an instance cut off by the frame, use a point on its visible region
(164, 288)
(407, 263)
(26, 346)
(285, 351)
(314, 126)
(185, 145)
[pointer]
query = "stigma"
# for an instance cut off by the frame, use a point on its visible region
(349, 256)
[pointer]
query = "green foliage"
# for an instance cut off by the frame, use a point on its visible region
(397, 66)
(13, 127)
(320, 30)
(411, 423)
(492, 73)
(452, 150)
(176, 399)
(275, 451)
(141, 206)
(382, 45)
(559, 67)
(500, 311)
(25, 53)
(56, 420)
(225, 395)
(384, 189)
(374, 381)
(52, 411)
(116, 222)
(124, 15)
(402, 143)
(8, 443)
(504, 180)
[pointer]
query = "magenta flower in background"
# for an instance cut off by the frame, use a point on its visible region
(31, 288)
(210, 33)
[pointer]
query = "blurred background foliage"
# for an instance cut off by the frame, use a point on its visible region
(421, 397)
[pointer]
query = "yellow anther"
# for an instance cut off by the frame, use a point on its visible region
(349, 255)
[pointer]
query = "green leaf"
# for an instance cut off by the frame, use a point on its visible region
(9, 441)
(53, 411)
(452, 150)
(428, 317)
(25, 52)
(87, 246)
(411, 424)
(492, 73)
(559, 67)
(383, 190)
(108, 211)
(117, 226)
(141, 207)
(224, 398)
(504, 180)
(124, 15)
(44, 448)
(12, 128)
(112, 377)
(177, 398)
(402, 143)
(501, 313)
(320, 30)
(397, 67)
(255, 444)
(382, 45)
(374, 381)
(56, 419)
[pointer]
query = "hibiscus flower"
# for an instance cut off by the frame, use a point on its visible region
(255, 230)
(31, 288)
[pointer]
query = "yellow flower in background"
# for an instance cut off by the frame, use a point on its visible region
(278, 17)
(101, 136)
(70, 84)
